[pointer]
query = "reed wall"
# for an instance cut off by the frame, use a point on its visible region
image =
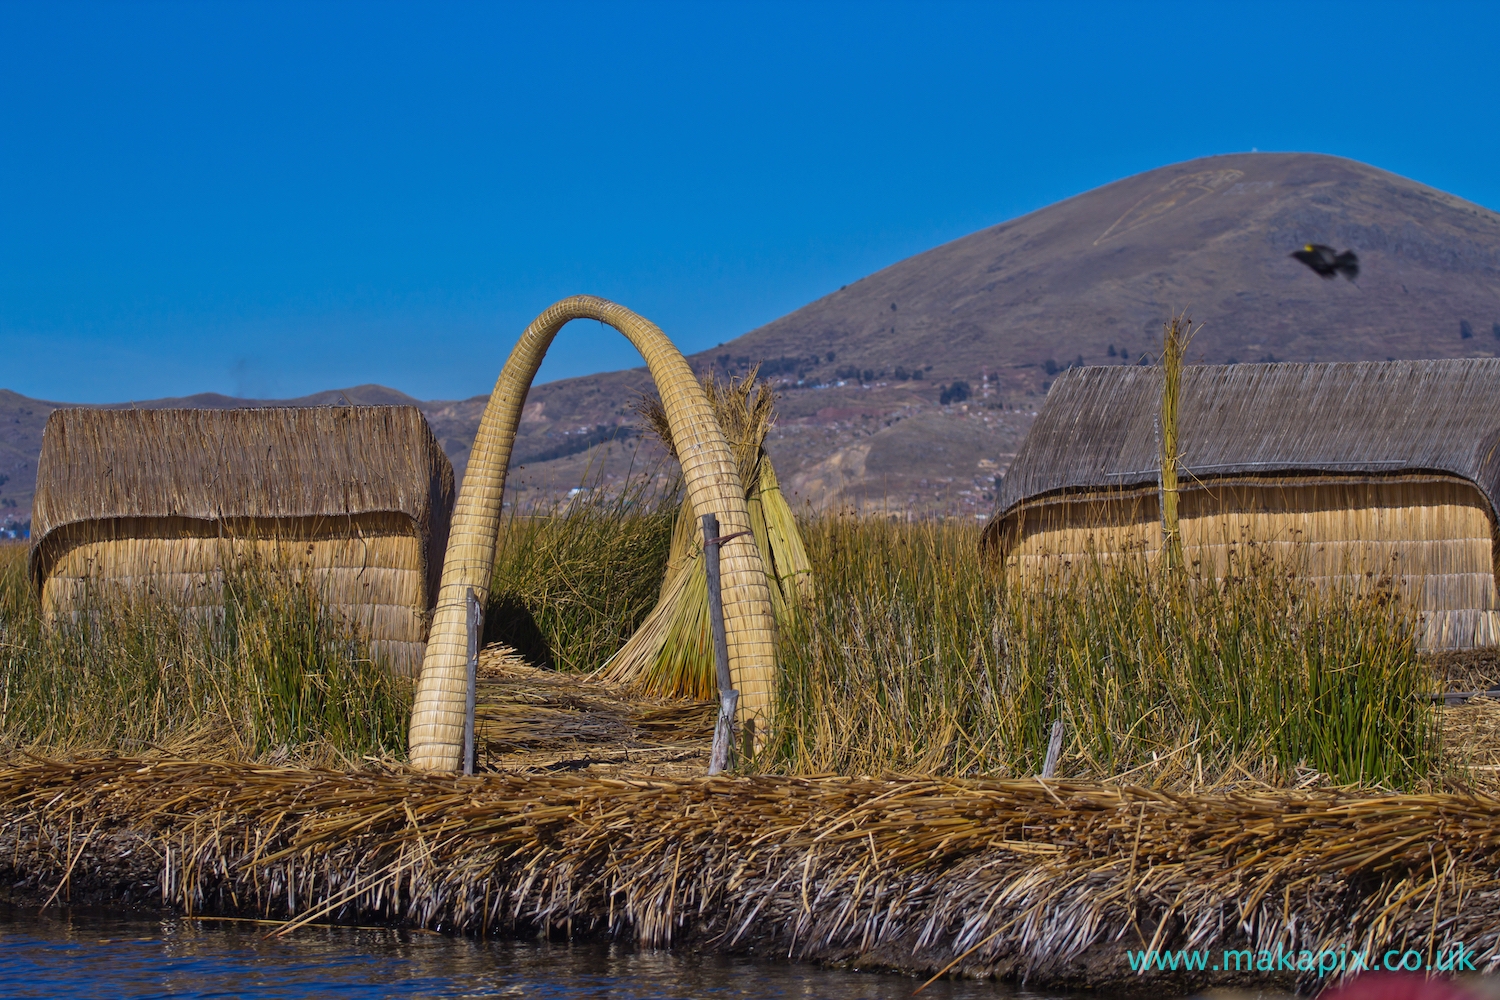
(371, 571)
(1430, 539)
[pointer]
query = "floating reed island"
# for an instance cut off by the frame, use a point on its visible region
(1257, 760)
(1049, 882)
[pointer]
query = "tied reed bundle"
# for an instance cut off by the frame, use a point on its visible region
(1177, 334)
(671, 655)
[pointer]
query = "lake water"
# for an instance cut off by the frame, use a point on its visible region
(81, 954)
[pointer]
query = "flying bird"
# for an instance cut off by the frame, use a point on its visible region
(1326, 263)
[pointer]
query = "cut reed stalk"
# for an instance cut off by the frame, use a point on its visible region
(1176, 335)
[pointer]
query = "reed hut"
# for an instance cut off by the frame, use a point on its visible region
(355, 501)
(1368, 474)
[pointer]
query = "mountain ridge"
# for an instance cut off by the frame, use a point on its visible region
(870, 413)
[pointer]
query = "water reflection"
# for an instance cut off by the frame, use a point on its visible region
(81, 954)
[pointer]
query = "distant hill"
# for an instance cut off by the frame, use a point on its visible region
(1089, 280)
(862, 372)
(1212, 236)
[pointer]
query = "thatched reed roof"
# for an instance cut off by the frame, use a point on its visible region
(1097, 429)
(218, 465)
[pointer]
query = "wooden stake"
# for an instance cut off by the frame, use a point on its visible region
(476, 629)
(729, 698)
(1054, 750)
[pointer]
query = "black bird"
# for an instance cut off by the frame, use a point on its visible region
(1326, 263)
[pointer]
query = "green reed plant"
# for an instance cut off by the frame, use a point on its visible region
(911, 657)
(309, 675)
(916, 658)
(272, 676)
(573, 583)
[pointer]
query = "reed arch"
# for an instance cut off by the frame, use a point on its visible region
(713, 485)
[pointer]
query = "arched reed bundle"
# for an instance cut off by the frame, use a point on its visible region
(1050, 882)
(671, 654)
(353, 501)
(1366, 475)
(712, 484)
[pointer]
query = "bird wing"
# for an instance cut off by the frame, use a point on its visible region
(1348, 263)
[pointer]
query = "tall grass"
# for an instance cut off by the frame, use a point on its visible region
(274, 677)
(915, 659)
(570, 586)
(911, 657)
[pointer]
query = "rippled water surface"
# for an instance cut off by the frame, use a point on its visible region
(90, 955)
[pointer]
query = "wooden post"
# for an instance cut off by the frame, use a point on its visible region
(476, 629)
(1054, 750)
(729, 698)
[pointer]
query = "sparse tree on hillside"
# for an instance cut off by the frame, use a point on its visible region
(955, 393)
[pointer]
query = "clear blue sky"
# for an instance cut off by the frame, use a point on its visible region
(272, 199)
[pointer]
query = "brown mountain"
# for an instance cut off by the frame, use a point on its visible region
(863, 371)
(1089, 280)
(1212, 236)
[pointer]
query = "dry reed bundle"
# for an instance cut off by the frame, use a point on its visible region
(712, 484)
(1048, 882)
(671, 654)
